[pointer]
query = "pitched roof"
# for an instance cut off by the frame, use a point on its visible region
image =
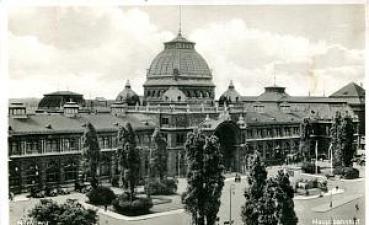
(58, 123)
(350, 90)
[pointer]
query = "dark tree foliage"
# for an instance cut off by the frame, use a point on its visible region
(305, 140)
(158, 160)
(205, 178)
(336, 140)
(347, 141)
(267, 205)
(284, 195)
(90, 154)
(268, 201)
(254, 192)
(139, 206)
(101, 196)
(342, 138)
(129, 158)
(70, 213)
(214, 178)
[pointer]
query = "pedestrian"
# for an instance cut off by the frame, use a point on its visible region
(357, 207)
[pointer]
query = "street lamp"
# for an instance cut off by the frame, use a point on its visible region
(231, 191)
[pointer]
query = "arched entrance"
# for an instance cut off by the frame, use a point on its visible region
(229, 138)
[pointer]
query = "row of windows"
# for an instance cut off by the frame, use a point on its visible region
(272, 132)
(53, 172)
(188, 93)
(34, 146)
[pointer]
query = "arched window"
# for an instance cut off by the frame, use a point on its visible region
(188, 94)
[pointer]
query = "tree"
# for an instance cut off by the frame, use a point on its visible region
(194, 198)
(129, 158)
(284, 195)
(205, 178)
(336, 145)
(252, 209)
(70, 213)
(342, 138)
(214, 178)
(305, 128)
(158, 156)
(90, 155)
(268, 201)
(267, 205)
(347, 141)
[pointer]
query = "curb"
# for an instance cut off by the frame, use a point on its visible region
(131, 218)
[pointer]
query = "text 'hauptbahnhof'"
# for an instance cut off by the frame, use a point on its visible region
(44, 144)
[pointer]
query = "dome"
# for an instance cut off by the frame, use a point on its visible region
(57, 99)
(230, 95)
(179, 58)
(128, 95)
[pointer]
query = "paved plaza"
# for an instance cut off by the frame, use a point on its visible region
(309, 211)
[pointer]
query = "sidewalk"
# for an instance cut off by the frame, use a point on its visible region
(334, 192)
(337, 203)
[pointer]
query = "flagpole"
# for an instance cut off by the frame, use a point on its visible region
(316, 156)
(330, 147)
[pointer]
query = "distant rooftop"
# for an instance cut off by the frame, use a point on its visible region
(350, 90)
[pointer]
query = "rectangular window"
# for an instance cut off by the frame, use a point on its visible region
(180, 139)
(164, 120)
(259, 108)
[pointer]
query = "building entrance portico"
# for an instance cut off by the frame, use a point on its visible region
(229, 138)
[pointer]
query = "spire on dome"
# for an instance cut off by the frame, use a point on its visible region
(231, 86)
(180, 21)
(128, 85)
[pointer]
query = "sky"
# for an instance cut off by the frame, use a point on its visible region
(94, 50)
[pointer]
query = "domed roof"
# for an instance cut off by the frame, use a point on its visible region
(59, 98)
(230, 95)
(128, 95)
(179, 58)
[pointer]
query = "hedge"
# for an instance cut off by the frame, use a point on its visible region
(166, 187)
(139, 206)
(101, 196)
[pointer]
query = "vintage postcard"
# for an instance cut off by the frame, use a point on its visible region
(186, 114)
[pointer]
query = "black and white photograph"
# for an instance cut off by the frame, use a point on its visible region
(184, 114)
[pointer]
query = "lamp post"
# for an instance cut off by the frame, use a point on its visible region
(231, 191)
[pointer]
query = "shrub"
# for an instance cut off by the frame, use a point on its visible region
(338, 170)
(70, 213)
(115, 181)
(350, 173)
(101, 196)
(309, 167)
(139, 206)
(166, 187)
